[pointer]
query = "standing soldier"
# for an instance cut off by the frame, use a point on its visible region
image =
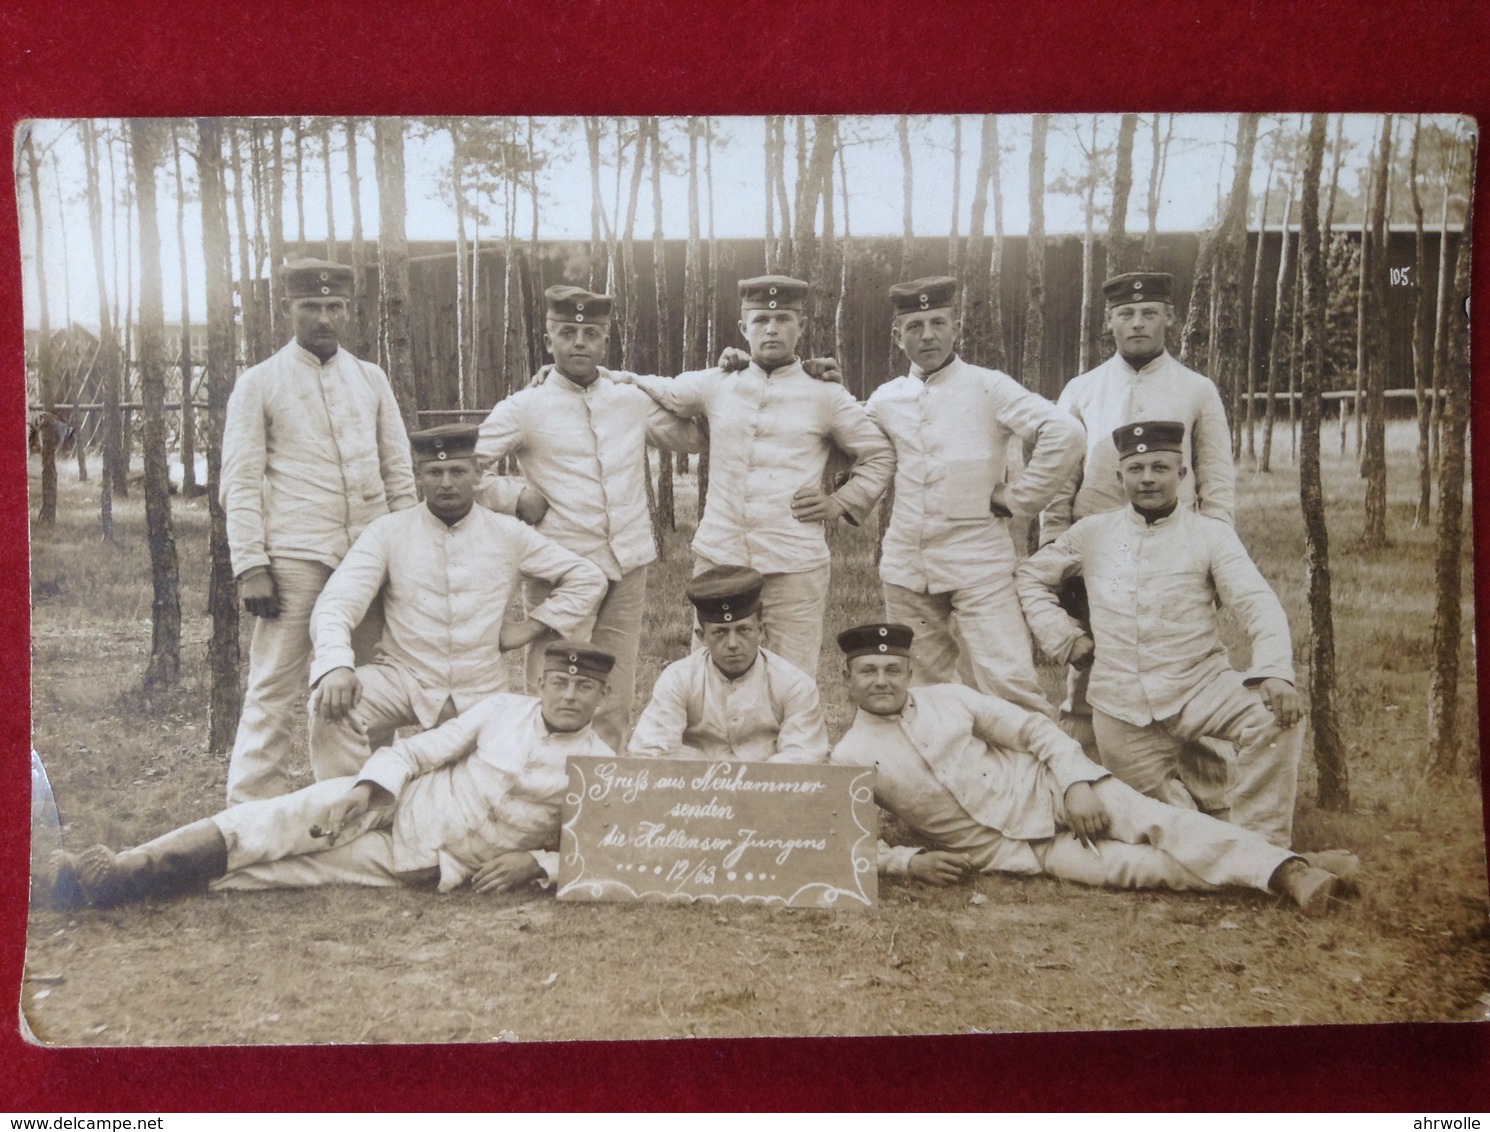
(948, 561)
(580, 441)
(1139, 382)
(314, 449)
(770, 429)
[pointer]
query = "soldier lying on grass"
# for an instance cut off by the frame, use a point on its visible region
(1004, 790)
(477, 799)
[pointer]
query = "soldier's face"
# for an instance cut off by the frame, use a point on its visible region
(569, 701)
(733, 645)
(1151, 480)
(879, 684)
(448, 486)
(1139, 329)
(318, 324)
(578, 348)
(927, 337)
(772, 335)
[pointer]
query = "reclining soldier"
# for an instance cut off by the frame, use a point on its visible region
(1004, 790)
(475, 800)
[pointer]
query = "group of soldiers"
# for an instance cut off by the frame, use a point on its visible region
(380, 568)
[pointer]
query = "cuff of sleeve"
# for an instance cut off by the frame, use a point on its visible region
(548, 861)
(340, 656)
(1258, 675)
(563, 626)
(895, 860)
(253, 563)
(385, 769)
(1071, 767)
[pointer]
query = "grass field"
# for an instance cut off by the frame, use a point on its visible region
(342, 965)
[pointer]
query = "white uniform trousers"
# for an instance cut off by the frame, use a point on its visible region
(270, 846)
(1152, 845)
(976, 635)
(1266, 776)
(341, 747)
(278, 668)
(615, 627)
(792, 611)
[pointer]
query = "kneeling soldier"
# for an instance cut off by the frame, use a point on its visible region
(476, 800)
(734, 699)
(1002, 789)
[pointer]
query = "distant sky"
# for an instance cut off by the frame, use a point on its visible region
(1198, 171)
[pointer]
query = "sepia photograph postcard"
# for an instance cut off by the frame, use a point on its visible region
(530, 579)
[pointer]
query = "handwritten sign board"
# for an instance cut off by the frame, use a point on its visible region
(678, 830)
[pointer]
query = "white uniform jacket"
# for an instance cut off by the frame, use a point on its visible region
(967, 770)
(489, 781)
(311, 453)
(447, 589)
(769, 435)
(769, 714)
(584, 449)
(1115, 394)
(1152, 588)
(951, 433)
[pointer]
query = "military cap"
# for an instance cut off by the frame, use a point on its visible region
(578, 658)
(1139, 287)
(772, 292)
(1149, 436)
(575, 304)
(931, 293)
(317, 279)
(722, 594)
(445, 442)
(876, 639)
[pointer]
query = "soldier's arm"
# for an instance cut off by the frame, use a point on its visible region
(244, 441)
(393, 767)
(345, 600)
(686, 395)
(659, 731)
(578, 584)
(1241, 586)
(1059, 446)
(803, 737)
(672, 433)
(394, 461)
(1013, 728)
(852, 430)
(1058, 514)
(1215, 471)
(1038, 582)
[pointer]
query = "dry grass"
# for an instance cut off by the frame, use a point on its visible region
(383, 966)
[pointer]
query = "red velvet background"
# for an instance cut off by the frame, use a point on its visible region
(647, 56)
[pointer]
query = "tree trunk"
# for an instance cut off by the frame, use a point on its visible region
(330, 195)
(1156, 184)
(597, 206)
(462, 288)
(188, 411)
(1329, 749)
(1278, 343)
(954, 240)
(106, 362)
(1119, 254)
(1249, 415)
(998, 349)
(301, 248)
(281, 332)
(362, 314)
(255, 348)
(1034, 323)
(630, 318)
(225, 702)
(61, 384)
(1086, 344)
(1443, 694)
(130, 358)
(1446, 262)
(1363, 320)
(973, 312)
(393, 268)
(1422, 342)
(907, 200)
(1231, 254)
(44, 361)
(165, 609)
(770, 157)
(785, 258)
(665, 486)
(1374, 464)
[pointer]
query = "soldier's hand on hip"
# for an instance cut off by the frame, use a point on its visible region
(260, 595)
(338, 693)
(531, 506)
(996, 502)
(516, 634)
(1282, 699)
(507, 872)
(810, 505)
(731, 359)
(823, 369)
(933, 866)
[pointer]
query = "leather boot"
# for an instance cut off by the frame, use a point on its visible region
(183, 859)
(1310, 888)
